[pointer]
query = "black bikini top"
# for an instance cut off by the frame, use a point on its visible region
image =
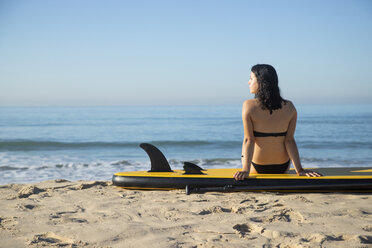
(259, 134)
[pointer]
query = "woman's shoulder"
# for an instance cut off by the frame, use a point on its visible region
(288, 103)
(250, 104)
(289, 106)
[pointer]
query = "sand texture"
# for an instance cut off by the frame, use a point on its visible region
(60, 213)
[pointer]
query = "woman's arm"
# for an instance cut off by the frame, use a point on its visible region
(248, 143)
(291, 146)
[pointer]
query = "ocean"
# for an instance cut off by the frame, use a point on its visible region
(92, 143)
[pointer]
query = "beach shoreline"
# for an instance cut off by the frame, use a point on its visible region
(65, 213)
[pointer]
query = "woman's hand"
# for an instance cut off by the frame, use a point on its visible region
(309, 173)
(240, 175)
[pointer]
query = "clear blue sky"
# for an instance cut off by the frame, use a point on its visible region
(182, 52)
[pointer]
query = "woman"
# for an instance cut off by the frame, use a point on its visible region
(269, 125)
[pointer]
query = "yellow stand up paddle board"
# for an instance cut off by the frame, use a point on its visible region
(195, 179)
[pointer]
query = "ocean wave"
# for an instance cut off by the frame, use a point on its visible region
(216, 161)
(12, 168)
(123, 165)
(330, 145)
(326, 162)
(33, 145)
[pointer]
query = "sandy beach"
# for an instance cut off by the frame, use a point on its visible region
(61, 213)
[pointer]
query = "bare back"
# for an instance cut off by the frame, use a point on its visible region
(270, 150)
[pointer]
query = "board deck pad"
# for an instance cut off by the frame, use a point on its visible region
(334, 179)
(338, 172)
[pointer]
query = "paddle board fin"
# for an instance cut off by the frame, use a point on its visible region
(191, 168)
(158, 161)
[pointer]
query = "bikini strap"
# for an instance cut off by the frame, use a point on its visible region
(259, 134)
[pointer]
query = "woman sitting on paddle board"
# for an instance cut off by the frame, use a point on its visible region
(269, 125)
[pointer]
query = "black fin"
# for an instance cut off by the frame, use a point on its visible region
(158, 161)
(191, 168)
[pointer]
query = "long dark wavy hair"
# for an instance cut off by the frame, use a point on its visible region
(268, 90)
